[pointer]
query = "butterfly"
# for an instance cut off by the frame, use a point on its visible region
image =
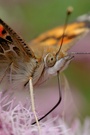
(48, 43)
(39, 59)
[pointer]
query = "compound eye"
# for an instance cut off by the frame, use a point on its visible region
(50, 60)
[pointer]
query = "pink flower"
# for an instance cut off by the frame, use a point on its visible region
(17, 121)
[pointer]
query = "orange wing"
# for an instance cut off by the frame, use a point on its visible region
(73, 32)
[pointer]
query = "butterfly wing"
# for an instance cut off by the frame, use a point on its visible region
(10, 41)
(15, 56)
(72, 33)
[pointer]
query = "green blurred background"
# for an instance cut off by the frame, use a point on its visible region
(32, 17)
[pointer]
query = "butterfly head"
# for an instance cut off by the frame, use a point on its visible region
(60, 60)
(55, 63)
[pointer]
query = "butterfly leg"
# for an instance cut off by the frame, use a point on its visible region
(33, 103)
(58, 102)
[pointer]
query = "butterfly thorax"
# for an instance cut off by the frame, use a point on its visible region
(42, 49)
(52, 62)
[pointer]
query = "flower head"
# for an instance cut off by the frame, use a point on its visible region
(18, 121)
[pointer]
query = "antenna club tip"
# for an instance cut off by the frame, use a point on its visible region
(69, 10)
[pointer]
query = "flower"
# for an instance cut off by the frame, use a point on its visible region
(17, 121)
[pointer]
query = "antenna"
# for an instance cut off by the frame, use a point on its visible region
(80, 52)
(69, 11)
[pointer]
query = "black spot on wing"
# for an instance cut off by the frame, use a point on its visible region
(57, 38)
(3, 32)
(49, 37)
(72, 36)
(9, 38)
(4, 43)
